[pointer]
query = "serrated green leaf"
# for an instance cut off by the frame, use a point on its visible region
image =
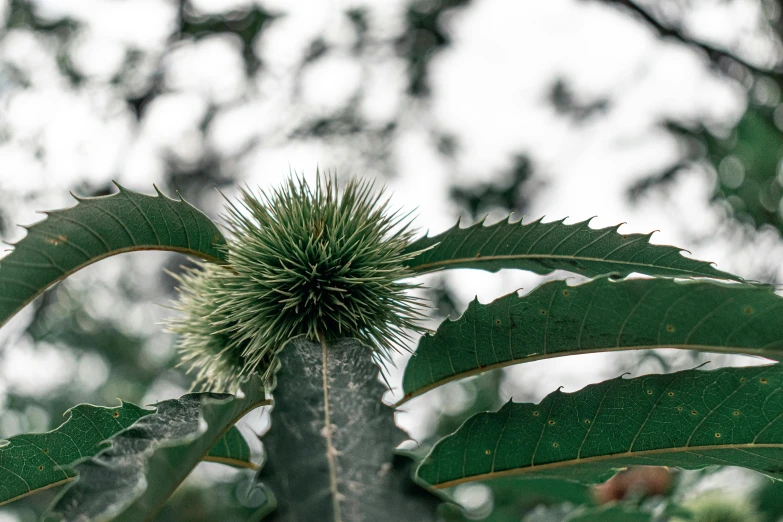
(132, 478)
(555, 320)
(33, 462)
(689, 419)
(96, 228)
(545, 247)
(331, 444)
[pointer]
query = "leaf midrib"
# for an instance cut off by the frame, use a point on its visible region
(32, 491)
(437, 264)
(760, 352)
(328, 435)
(600, 458)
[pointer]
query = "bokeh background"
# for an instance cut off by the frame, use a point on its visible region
(665, 115)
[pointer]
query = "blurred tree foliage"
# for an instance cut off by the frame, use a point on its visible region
(746, 160)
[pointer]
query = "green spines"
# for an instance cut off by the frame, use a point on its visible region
(303, 261)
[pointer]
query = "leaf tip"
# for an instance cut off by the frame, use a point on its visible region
(618, 225)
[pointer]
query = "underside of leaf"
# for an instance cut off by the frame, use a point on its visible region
(556, 320)
(96, 228)
(143, 465)
(331, 446)
(690, 419)
(34, 462)
(545, 247)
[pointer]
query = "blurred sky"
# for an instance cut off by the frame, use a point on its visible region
(489, 92)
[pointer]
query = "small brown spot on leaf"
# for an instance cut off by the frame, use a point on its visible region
(717, 435)
(587, 421)
(679, 408)
(40, 468)
(551, 422)
(497, 322)
(694, 412)
(543, 312)
(670, 394)
(565, 293)
(116, 414)
(555, 444)
(649, 392)
(748, 310)
(670, 328)
(535, 414)
(57, 240)
(736, 413)
(763, 381)
(488, 452)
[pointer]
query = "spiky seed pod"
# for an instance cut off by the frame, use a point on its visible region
(302, 261)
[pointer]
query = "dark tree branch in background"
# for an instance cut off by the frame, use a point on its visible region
(661, 179)
(715, 54)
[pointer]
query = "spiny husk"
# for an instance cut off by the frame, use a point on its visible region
(302, 261)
